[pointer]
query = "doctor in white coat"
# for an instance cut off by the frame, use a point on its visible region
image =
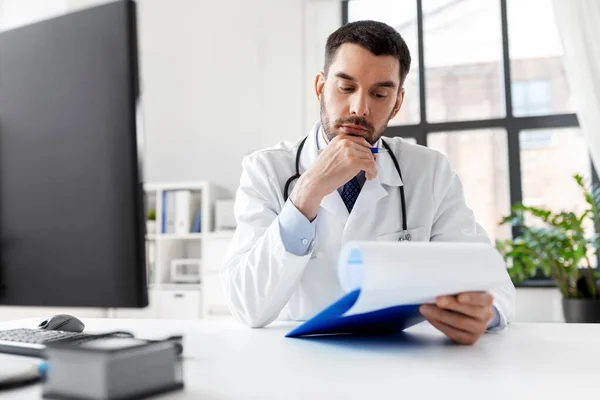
(283, 257)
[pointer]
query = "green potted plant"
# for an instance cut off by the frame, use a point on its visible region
(151, 222)
(558, 246)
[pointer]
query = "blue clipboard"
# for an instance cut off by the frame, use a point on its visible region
(380, 322)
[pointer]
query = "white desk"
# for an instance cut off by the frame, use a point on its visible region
(224, 360)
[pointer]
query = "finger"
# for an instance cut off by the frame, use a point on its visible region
(365, 163)
(359, 149)
(355, 139)
(370, 175)
(451, 303)
(454, 319)
(370, 169)
(362, 154)
(476, 298)
(456, 335)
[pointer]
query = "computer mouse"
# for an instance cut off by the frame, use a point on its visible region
(62, 322)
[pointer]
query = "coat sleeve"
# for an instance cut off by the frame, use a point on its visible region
(258, 275)
(454, 221)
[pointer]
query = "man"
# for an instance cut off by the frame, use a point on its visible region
(283, 257)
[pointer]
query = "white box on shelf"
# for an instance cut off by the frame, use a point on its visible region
(224, 216)
(184, 211)
(185, 270)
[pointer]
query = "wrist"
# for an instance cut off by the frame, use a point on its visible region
(306, 197)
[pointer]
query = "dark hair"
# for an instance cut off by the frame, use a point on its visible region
(377, 37)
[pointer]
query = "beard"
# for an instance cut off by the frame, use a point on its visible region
(329, 127)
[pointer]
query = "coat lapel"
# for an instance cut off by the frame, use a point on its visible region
(372, 192)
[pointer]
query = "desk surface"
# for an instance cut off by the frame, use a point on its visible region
(224, 360)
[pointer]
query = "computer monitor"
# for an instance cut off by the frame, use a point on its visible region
(71, 199)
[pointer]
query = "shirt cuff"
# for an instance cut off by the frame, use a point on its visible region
(297, 232)
(495, 321)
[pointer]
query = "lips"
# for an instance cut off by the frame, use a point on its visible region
(353, 129)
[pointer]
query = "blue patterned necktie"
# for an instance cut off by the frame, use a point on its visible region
(350, 193)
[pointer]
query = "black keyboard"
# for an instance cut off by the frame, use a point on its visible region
(32, 342)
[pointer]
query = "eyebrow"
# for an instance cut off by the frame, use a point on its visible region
(388, 84)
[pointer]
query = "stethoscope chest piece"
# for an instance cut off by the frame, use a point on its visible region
(405, 237)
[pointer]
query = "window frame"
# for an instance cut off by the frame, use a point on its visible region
(512, 124)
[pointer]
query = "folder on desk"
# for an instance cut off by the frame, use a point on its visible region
(386, 282)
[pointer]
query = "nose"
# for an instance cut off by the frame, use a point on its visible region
(359, 105)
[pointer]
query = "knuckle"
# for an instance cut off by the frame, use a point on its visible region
(463, 339)
(468, 339)
(433, 313)
(451, 302)
(462, 324)
(482, 330)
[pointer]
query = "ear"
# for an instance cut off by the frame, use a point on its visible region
(398, 104)
(319, 84)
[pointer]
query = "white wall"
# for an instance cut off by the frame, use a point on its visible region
(539, 305)
(322, 17)
(13, 13)
(219, 78)
(223, 78)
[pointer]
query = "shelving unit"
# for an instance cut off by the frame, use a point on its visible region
(175, 300)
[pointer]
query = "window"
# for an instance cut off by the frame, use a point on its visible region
(547, 174)
(402, 15)
(536, 59)
(533, 97)
(486, 185)
(463, 59)
(492, 96)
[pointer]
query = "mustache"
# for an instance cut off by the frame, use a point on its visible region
(355, 120)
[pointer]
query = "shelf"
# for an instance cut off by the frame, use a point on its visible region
(166, 186)
(175, 236)
(178, 286)
(191, 236)
(220, 235)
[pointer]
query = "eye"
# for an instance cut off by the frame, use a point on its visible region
(346, 89)
(380, 95)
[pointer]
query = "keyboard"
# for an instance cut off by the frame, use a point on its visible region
(32, 342)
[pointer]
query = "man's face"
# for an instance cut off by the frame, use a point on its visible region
(361, 93)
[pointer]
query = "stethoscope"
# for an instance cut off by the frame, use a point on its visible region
(405, 235)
